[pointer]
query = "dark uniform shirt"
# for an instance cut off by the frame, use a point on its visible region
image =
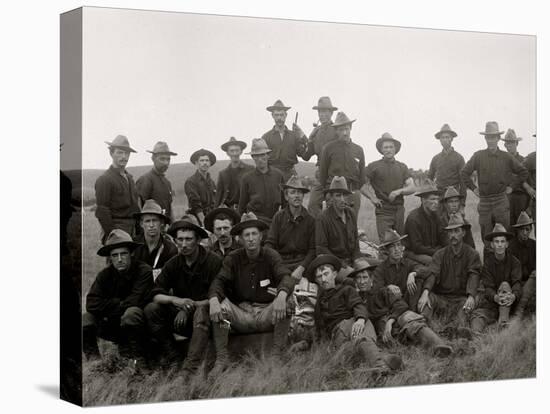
(426, 235)
(494, 272)
(188, 282)
(201, 193)
(261, 193)
(530, 163)
(516, 181)
(445, 168)
(244, 279)
(216, 248)
(319, 137)
(468, 237)
(386, 176)
(229, 184)
(526, 253)
(388, 273)
(284, 151)
(345, 159)
(454, 274)
(338, 304)
(294, 239)
(333, 236)
(380, 304)
(155, 185)
(494, 171)
(112, 293)
(116, 198)
(156, 258)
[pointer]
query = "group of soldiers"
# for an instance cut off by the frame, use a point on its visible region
(248, 256)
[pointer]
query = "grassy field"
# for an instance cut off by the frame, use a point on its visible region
(497, 355)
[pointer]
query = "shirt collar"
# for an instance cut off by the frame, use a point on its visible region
(247, 260)
(199, 175)
(258, 172)
(299, 217)
(155, 171)
(118, 171)
(447, 152)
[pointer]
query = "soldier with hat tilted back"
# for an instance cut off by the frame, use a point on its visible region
(451, 205)
(115, 191)
(518, 198)
(229, 179)
(200, 189)
(154, 184)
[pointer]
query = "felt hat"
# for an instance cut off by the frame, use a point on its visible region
(456, 221)
(391, 236)
(523, 220)
(320, 260)
(325, 103)
(338, 185)
(278, 106)
(152, 207)
(248, 220)
(232, 141)
(342, 119)
(498, 230)
(117, 238)
(491, 128)
(445, 128)
(296, 183)
(386, 136)
(359, 265)
(511, 136)
(427, 189)
(121, 142)
(210, 217)
(187, 222)
(451, 192)
(161, 147)
(199, 153)
(259, 147)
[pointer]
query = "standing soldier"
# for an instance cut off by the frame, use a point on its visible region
(229, 179)
(518, 198)
(115, 191)
(387, 181)
(200, 188)
(344, 158)
(494, 169)
(530, 185)
(154, 184)
(285, 144)
(446, 166)
(220, 221)
(322, 134)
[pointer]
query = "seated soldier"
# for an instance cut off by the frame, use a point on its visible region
(501, 278)
(525, 250)
(249, 293)
(220, 221)
(292, 231)
(390, 314)
(341, 316)
(452, 204)
(453, 280)
(157, 249)
(423, 226)
(179, 296)
(115, 301)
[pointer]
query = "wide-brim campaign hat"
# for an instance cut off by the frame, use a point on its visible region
(338, 185)
(117, 238)
(342, 119)
(524, 220)
(210, 217)
(322, 259)
(325, 103)
(152, 207)
(187, 222)
(391, 236)
(296, 183)
(199, 153)
(121, 142)
(445, 129)
(359, 265)
(498, 230)
(233, 141)
(278, 106)
(456, 221)
(511, 136)
(259, 147)
(491, 128)
(451, 192)
(386, 136)
(427, 189)
(248, 220)
(161, 147)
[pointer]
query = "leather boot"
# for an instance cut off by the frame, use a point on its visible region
(280, 337)
(221, 338)
(89, 344)
(197, 348)
(528, 291)
(503, 315)
(431, 340)
(373, 356)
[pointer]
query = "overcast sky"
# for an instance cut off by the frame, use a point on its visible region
(196, 80)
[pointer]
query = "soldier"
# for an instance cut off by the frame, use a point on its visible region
(387, 181)
(530, 185)
(292, 231)
(115, 301)
(200, 188)
(220, 221)
(452, 201)
(260, 188)
(156, 249)
(115, 191)
(322, 134)
(518, 198)
(154, 184)
(285, 145)
(229, 179)
(494, 170)
(445, 167)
